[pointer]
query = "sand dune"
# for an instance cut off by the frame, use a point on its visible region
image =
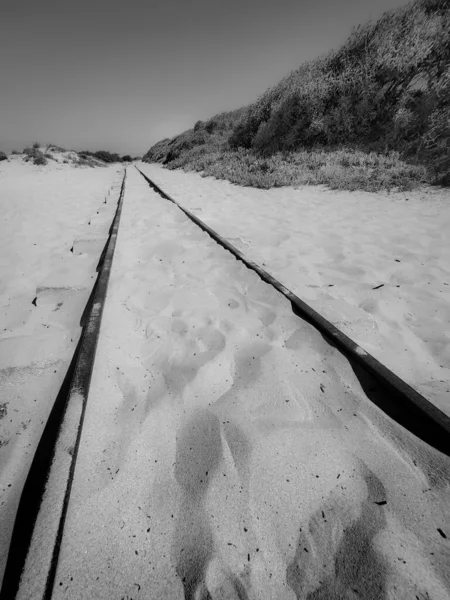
(229, 451)
(333, 248)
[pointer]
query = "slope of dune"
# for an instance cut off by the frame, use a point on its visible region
(384, 92)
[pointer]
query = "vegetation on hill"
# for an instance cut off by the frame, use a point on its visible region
(33, 153)
(104, 155)
(40, 155)
(373, 114)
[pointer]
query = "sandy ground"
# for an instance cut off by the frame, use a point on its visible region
(44, 212)
(229, 452)
(333, 248)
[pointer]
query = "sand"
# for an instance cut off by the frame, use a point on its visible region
(43, 212)
(333, 248)
(229, 451)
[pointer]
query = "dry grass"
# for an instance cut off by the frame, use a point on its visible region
(338, 169)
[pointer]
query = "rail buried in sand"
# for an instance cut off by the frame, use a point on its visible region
(385, 389)
(35, 547)
(37, 534)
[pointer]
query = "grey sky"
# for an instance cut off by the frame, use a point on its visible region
(122, 75)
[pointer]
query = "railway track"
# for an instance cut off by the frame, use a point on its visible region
(31, 565)
(33, 560)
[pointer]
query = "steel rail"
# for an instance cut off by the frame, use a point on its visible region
(384, 388)
(38, 529)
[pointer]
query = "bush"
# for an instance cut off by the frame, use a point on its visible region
(105, 156)
(3, 156)
(126, 158)
(83, 162)
(210, 126)
(184, 142)
(35, 154)
(29, 151)
(220, 127)
(36, 145)
(244, 132)
(158, 152)
(15, 152)
(82, 159)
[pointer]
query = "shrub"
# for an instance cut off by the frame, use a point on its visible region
(126, 158)
(83, 162)
(244, 132)
(182, 143)
(3, 156)
(15, 152)
(210, 126)
(158, 152)
(105, 156)
(36, 145)
(169, 150)
(34, 153)
(87, 160)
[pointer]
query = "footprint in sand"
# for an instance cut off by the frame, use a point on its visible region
(187, 351)
(199, 453)
(335, 557)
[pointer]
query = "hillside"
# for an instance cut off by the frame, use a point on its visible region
(375, 113)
